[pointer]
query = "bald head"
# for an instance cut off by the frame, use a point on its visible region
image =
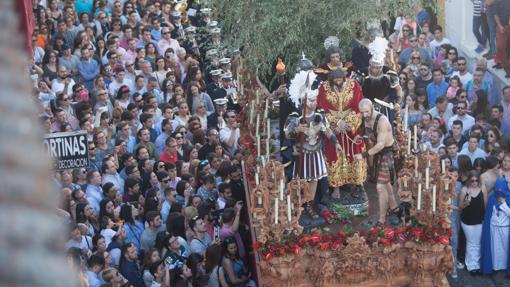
(366, 109)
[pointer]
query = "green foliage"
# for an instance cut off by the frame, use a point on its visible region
(267, 29)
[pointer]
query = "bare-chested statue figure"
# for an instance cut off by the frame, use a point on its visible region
(378, 129)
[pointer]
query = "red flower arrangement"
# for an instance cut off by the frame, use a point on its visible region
(377, 236)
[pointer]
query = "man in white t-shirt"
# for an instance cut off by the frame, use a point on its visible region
(439, 40)
(462, 71)
(229, 135)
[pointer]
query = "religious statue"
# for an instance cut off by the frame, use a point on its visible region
(378, 129)
(333, 59)
(339, 97)
(309, 130)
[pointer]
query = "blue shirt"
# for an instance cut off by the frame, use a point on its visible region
(133, 233)
(474, 155)
(434, 91)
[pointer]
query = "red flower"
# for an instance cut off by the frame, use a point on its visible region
(324, 245)
(375, 230)
(402, 229)
(432, 241)
(401, 237)
(341, 233)
(303, 240)
(444, 240)
(418, 233)
(257, 245)
(315, 238)
(389, 233)
(385, 242)
(297, 250)
(269, 256)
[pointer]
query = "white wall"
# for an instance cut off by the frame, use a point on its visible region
(459, 24)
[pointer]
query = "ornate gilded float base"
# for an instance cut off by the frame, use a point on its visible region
(361, 265)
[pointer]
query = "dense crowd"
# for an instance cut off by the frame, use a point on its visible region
(150, 82)
(463, 115)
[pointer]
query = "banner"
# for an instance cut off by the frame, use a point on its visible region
(68, 150)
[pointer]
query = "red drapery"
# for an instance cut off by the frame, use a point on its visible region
(26, 22)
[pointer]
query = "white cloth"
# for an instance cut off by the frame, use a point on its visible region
(225, 135)
(473, 243)
(464, 79)
(500, 227)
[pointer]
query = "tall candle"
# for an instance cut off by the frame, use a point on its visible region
(268, 142)
(256, 179)
(276, 211)
(433, 198)
(257, 95)
(415, 137)
(416, 166)
(409, 142)
(252, 111)
(263, 161)
(446, 185)
(266, 109)
(406, 116)
(427, 178)
(443, 166)
(259, 200)
(282, 188)
(289, 214)
(418, 204)
(258, 146)
(405, 182)
(257, 125)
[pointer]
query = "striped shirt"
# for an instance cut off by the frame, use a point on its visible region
(477, 8)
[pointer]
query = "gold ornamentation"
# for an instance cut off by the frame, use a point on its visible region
(344, 171)
(339, 98)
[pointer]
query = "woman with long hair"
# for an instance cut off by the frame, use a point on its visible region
(161, 71)
(85, 214)
(505, 167)
(464, 165)
(151, 53)
(123, 99)
(150, 257)
(472, 205)
(480, 105)
(195, 263)
(414, 113)
(100, 49)
(196, 98)
(107, 208)
(49, 66)
(414, 63)
(182, 117)
(422, 100)
(492, 138)
(213, 266)
(133, 226)
(236, 271)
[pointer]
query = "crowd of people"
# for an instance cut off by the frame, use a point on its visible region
(150, 83)
(463, 115)
(162, 201)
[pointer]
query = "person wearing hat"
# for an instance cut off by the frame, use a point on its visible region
(205, 18)
(225, 65)
(214, 83)
(215, 120)
(178, 33)
(190, 43)
(228, 91)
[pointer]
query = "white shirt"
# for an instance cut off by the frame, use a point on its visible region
(435, 45)
(467, 122)
(225, 135)
(464, 79)
(114, 86)
(58, 86)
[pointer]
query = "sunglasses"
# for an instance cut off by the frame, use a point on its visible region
(405, 30)
(412, 41)
(166, 33)
(461, 64)
(165, 180)
(417, 58)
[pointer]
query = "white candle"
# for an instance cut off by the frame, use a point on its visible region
(276, 211)
(405, 182)
(252, 111)
(427, 179)
(258, 146)
(415, 138)
(257, 125)
(257, 98)
(433, 198)
(282, 188)
(443, 166)
(418, 204)
(263, 161)
(408, 142)
(406, 116)
(256, 179)
(416, 166)
(289, 214)
(268, 142)
(259, 200)
(446, 185)
(266, 109)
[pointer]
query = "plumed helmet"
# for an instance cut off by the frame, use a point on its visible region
(305, 64)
